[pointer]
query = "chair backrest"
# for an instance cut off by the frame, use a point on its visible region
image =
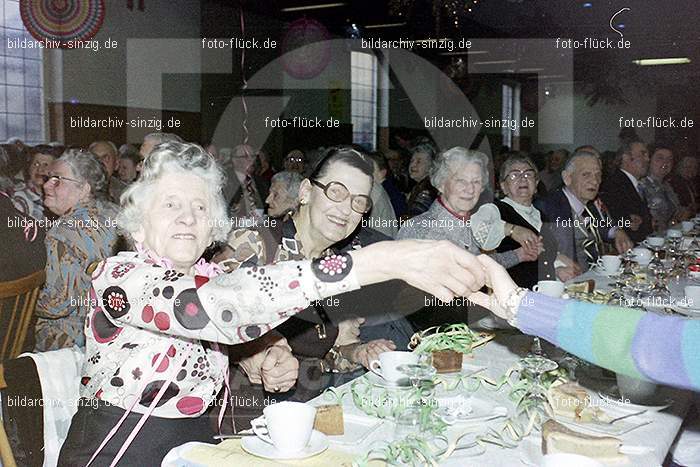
(17, 303)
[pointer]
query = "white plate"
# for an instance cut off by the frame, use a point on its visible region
(357, 428)
(629, 407)
(531, 454)
(377, 380)
(467, 369)
(686, 310)
(257, 447)
(461, 408)
(614, 429)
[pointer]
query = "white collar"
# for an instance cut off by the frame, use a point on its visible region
(632, 178)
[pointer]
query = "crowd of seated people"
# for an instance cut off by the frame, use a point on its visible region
(257, 304)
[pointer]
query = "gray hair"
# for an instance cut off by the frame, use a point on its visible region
(158, 138)
(516, 159)
(85, 166)
(424, 147)
(291, 180)
(111, 145)
(185, 158)
(578, 154)
(446, 161)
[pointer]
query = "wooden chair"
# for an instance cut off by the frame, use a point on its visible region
(17, 303)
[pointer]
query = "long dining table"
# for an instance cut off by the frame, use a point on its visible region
(649, 440)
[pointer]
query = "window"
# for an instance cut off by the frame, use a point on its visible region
(21, 99)
(363, 111)
(510, 110)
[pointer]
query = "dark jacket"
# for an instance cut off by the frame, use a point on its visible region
(623, 200)
(528, 273)
(19, 255)
(421, 197)
(557, 216)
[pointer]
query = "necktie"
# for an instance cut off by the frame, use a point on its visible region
(592, 244)
(249, 193)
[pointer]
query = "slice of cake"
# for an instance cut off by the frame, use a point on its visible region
(329, 420)
(570, 400)
(587, 286)
(558, 438)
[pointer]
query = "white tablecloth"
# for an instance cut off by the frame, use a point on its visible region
(498, 356)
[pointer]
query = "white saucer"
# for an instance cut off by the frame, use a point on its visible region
(603, 272)
(377, 380)
(686, 310)
(257, 447)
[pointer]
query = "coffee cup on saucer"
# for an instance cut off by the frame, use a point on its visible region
(642, 255)
(655, 241)
(609, 264)
(674, 233)
(286, 425)
(687, 226)
(550, 288)
(387, 365)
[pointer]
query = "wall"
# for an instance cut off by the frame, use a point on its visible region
(94, 83)
(597, 125)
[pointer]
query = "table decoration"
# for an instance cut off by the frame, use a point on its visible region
(448, 345)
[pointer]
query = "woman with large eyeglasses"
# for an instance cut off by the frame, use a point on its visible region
(518, 180)
(27, 195)
(333, 199)
(83, 234)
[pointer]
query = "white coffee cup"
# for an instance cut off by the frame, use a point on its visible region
(687, 226)
(550, 288)
(609, 263)
(641, 255)
(655, 241)
(674, 233)
(692, 295)
(286, 425)
(386, 366)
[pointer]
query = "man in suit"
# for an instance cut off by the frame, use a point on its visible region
(623, 194)
(575, 215)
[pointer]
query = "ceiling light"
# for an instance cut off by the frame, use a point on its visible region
(662, 61)
(313, 7)
(495, 62)
(466, 52)
(385, 25)
(587, 5)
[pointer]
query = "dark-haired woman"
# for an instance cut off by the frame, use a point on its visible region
(332, 201)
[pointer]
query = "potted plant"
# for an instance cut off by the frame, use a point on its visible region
(448, 344)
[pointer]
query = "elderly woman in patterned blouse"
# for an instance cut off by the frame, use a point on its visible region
(158, 314)
(84, 233)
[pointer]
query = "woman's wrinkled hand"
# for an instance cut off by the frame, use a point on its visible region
(498, 279)
(349, 331)
(274, 367)
(279, 369)
(365, 353)
(525, 237)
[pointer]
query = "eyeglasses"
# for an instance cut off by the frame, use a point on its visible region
(518, 174)
(41, 164)
(295, 159)
(57, 179)
(337, 192)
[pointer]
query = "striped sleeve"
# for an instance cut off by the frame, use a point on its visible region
(645, 345)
